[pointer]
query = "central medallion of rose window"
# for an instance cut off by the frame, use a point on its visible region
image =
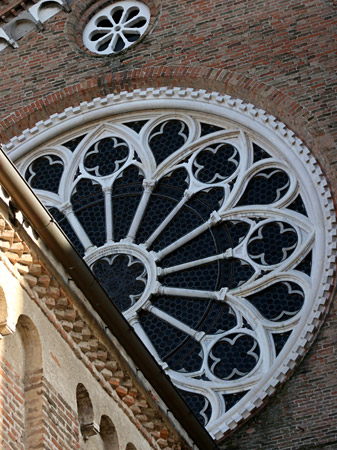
(202, 234)
(123, 277)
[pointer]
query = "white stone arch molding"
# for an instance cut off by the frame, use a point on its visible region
(253, 149)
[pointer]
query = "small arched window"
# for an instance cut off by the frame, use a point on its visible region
(85, 412)
(108, 434)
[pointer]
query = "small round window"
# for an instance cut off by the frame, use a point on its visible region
(116, 27)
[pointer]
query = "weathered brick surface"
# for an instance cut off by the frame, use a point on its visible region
(11, 408)
(102, 361)
(279, 55)
(33, 402)
(61, 427)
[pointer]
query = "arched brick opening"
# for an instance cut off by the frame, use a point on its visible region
(130, 447)
(32, 382)
(85, 412)
(224, 81)
(108, 434)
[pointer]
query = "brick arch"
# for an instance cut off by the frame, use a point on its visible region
(32, 381)
(85, 412)
(130, 447)
(32, 345)
(8, 315)
(108, 434)
(250, 90)
(214, 79)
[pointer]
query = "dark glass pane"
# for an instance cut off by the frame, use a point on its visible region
(216, 163)
(106, 156)
(88, 205)
(199, 405)
(73, 143)
(306, 264)
(167, 137)
(117, 14)
(265, 187)
(123, 277)
(67, 228)
(280, 340)
(207, 128)
(234, 357)
(272, 243)
(298, 206)
(233, 399)
(45, 173)
(279, 301)
(259, 153)
(137, 125)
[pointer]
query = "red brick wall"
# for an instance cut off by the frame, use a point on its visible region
(11, 408)
(55, 423)
(279, 55)
(61, 429)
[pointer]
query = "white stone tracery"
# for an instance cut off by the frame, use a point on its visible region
(116, 27)
(239, 127)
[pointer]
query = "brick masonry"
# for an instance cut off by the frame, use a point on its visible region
(11, 408)
(279, 55)
(61, 427)
(58, 424)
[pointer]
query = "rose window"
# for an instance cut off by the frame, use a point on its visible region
(116, 27)
(202, 233)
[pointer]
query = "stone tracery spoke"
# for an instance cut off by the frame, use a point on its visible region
(176, 323)
(193, 293)
(148, 188)
(214, 218)
(134, 321)
(76, 225)
(166, 221)
(196, 262)
(108, 215)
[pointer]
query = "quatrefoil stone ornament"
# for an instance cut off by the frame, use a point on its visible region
(209, 225)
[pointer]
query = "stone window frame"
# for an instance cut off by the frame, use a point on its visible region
(118, 33)
(266, 127)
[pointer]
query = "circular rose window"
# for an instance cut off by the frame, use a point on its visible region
(203, 229)
(116, 27)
